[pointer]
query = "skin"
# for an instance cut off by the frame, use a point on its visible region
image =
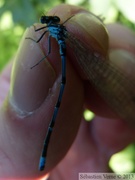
(24, 121)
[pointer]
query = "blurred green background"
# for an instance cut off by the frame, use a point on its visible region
(16, 15)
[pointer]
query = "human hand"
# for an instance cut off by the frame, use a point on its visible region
(26, 113)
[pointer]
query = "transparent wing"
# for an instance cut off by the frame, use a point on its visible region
(113, 85)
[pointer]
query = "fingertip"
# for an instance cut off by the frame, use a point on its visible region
(121, 37)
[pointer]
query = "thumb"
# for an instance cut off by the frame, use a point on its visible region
(28, 110)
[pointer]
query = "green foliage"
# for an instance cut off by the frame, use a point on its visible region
(124, 161)
(8, 46)
(26, 12)
(16, 15)
(123, 20)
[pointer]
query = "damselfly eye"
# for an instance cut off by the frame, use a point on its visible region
(49, 19)
(43, 19)
(56, 19)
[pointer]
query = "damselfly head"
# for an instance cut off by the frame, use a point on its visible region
(49, 19)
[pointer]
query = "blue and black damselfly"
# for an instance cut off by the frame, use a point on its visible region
(115, 87)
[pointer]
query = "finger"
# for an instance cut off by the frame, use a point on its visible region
(90, 30)
(122, 54)
(5, 82)
(84, 155)
(93, 147)
(29, 108)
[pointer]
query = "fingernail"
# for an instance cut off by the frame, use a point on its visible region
(93, 28)
(30, 87)
(124, 60)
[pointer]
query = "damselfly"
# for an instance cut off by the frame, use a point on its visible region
(57, 31)
(113, 85)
